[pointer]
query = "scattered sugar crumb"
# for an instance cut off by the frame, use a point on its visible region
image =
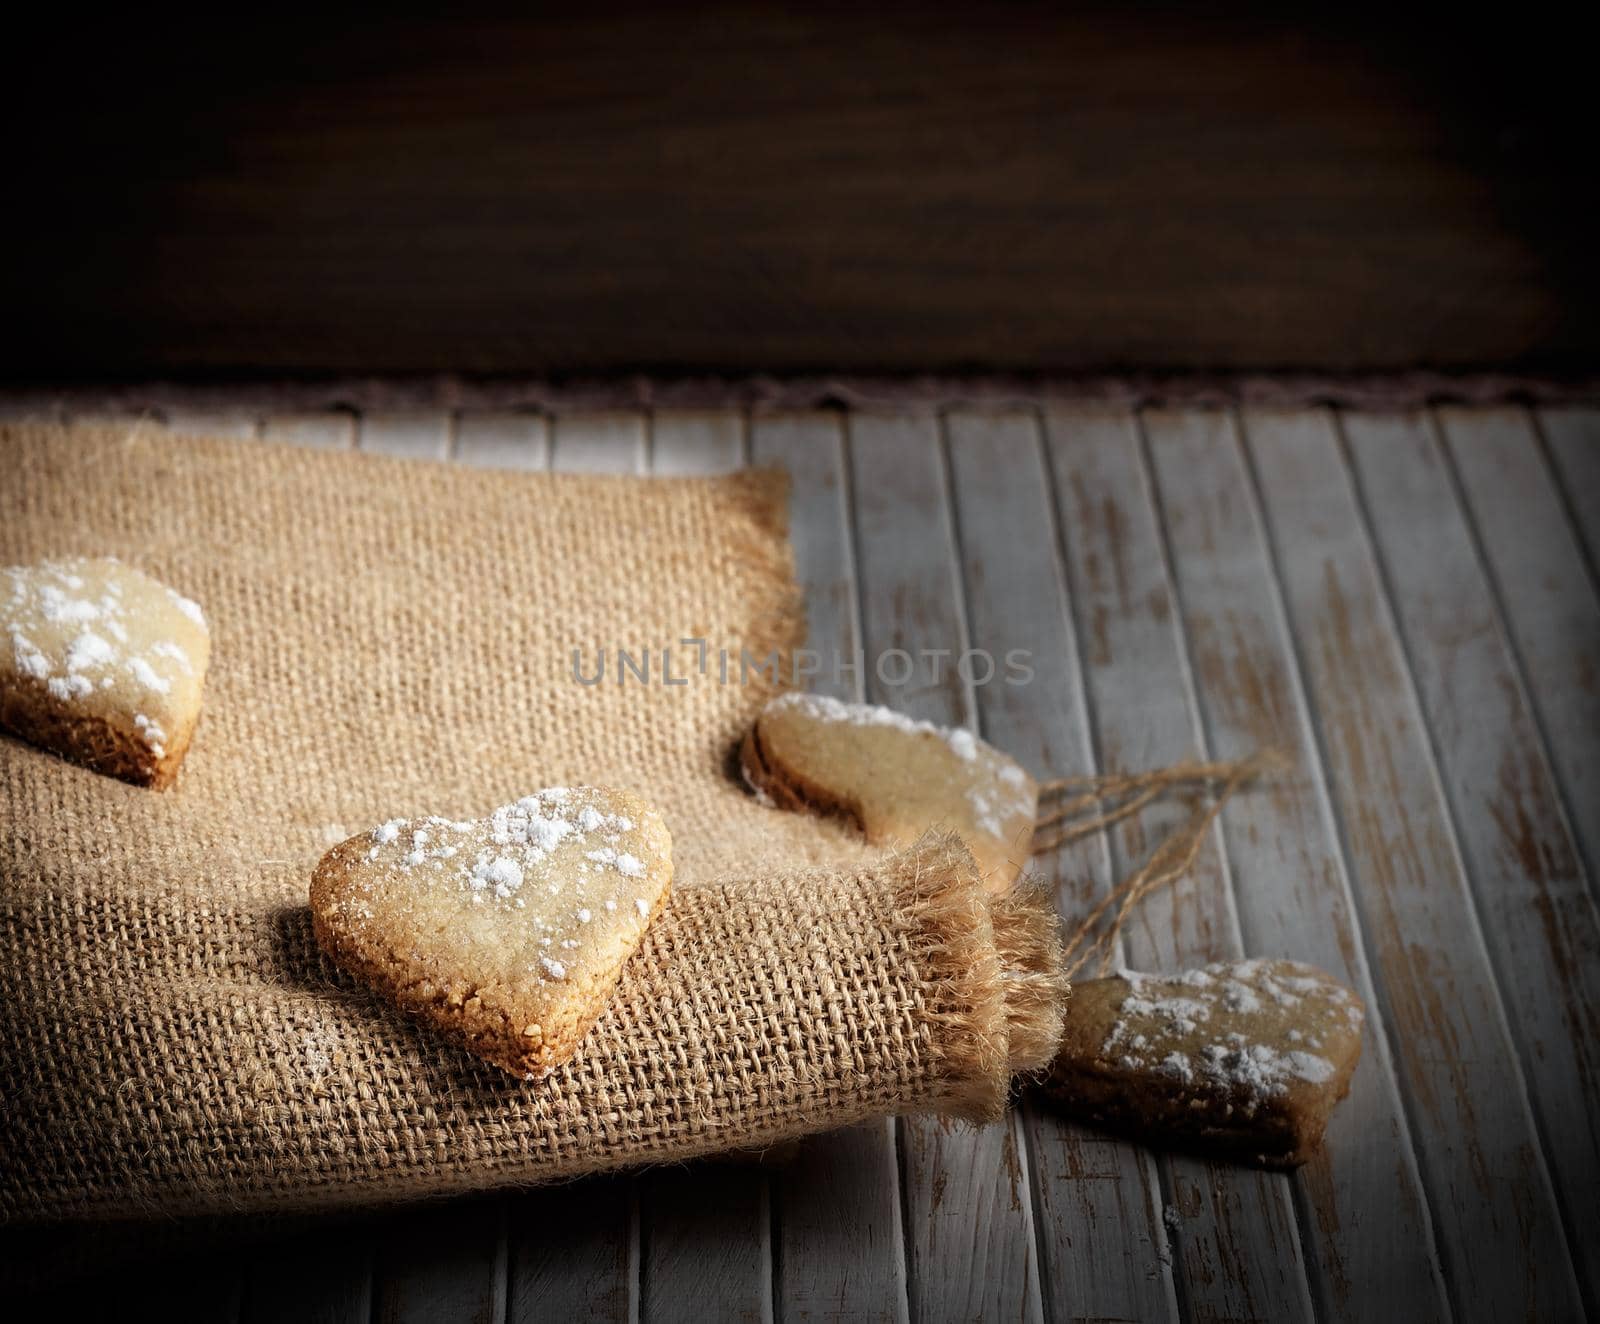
(152, 734)
(964, 743)
(190, 608)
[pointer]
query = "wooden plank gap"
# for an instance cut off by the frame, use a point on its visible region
(852, 559)
(958, 581)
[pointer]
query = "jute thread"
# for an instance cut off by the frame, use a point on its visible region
(1077, 807)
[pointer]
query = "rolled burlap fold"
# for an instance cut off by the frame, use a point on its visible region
(755, 1011)
(392, 639)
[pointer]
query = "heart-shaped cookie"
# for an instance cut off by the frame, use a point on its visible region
(894, 777)
(102, 665)
(508, 933)
(1246, 1059)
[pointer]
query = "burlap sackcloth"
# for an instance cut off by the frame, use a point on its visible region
(395, 638)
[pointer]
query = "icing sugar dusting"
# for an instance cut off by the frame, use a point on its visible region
(963, 742)
(152, 734)
(508, 861)
(88, 628)
(146, 675)
(998, 796)
(190, 608)
(89, 651)
(1227, 1027)
(827, 709)
(501, 873)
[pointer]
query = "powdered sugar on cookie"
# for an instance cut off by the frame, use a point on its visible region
(1244, 1058)
(825, 709)
(1230, 1024)
(73, 625)
(95, 641)
(520, 919)
(896, 775)
(560, 855)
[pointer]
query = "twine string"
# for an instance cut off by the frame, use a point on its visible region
(1075, 831)
(1167, 863)
(1107, 783)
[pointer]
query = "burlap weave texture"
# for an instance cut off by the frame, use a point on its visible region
(393, 639)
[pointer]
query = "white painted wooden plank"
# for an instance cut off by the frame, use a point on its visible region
(494, 440)
(1538, 915)
(1101, 1240)
(705, 1230)
(1547, 594)
(240, 424)
(706, 1248)
(836, 1206)
(1237, 1252)
(697, 441)
(968, 1199)
(1290, 889)
(1573, 437)
(602, 442)
(442, 1262)
(574, 1252)
(322, 1276)
(416, 436)
(413, 434)
(1477, 1146)
(330, 430)
(810, 448)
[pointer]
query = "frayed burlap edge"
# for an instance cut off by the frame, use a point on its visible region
(1028, 936)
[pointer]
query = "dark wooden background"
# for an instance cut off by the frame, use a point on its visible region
(788, 187)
